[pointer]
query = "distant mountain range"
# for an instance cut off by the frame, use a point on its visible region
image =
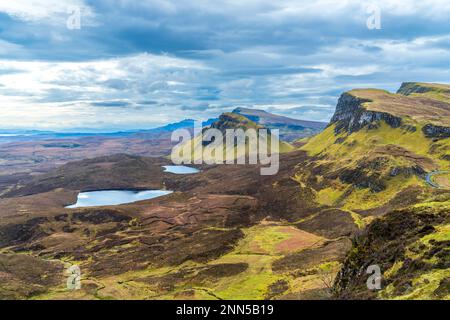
(372, 188)
(32, 135)
(290, 129)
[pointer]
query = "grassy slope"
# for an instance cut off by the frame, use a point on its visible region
(362, 144)
(411, 247)
(268, 242)
(435, 91)
(188, 152)
(370, 144)
(262, 245)
(349, 151)
(417, 108)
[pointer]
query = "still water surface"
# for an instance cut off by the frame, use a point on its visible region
(115, 197)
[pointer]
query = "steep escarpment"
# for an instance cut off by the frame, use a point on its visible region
(351, 115)
(359, 107)
(410, 246)
(290, 129)
(229, 120)
(431, 90)
(367, 160)
(373, 161)
(377, 150)
(201, 148)
(232, 120)
(376, 168)
(228, 232)
(432, 131)
(434, 91)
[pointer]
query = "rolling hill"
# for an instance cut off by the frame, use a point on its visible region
(290, 129)
(436, 91)
(383, 144)
(372, 160)
(194, 150)
(354, 195)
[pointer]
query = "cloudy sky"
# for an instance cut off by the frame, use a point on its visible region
(139, 64)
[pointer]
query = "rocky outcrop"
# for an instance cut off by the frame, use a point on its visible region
(433, 131)
(230, 120)
(387, 241)
(408, 88)
(290, 129)
(351, 115)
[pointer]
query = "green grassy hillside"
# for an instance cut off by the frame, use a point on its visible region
(411, 246)
(430, 90)
(191, 151)
(369, 167)
(373, 159)
(359, 193)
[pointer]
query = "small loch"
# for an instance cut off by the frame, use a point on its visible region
(115, 197)
(180, 169)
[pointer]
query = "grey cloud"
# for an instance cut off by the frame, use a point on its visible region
(110, 104)
(251, 53)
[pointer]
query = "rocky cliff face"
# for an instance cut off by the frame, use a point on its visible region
(351, 115)
(290, 129)
(234, 121)
(408, 88)
(409, 246)
(432, 131)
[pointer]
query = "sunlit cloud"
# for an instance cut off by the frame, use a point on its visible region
(137, 64)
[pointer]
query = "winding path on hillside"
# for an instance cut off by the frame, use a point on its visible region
(429, 178)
